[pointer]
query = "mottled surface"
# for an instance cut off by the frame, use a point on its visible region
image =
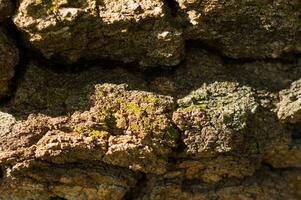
(197, 136)
(88, 123)
(290, 104)
(131, 31)
(153, 33)
(244, 29)
(263, 185)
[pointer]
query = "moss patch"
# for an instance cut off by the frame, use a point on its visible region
(172, 133)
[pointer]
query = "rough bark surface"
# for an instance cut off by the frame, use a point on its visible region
(93, 110)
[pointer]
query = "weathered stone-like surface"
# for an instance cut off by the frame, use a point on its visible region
(122, 127)
(290, 105)
(214, 118)
(224, 123)
(6, 9)
(145, 32)
(262, 138)
(207, 130)
(285, 156)
(131, 31)
(263, 185)
(77, 181)
(244, 29)
(8, 60)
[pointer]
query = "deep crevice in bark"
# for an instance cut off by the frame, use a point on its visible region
(25, 56)
(296, 131)
(210, 47)
(173, 7)
(1, 173)
(57, 198)
(136, 191)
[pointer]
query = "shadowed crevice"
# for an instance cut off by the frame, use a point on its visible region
(134, 192)
(57, 198)
(1, 173)
(212, 47)
(173, 8)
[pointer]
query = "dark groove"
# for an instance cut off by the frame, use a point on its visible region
(137, 190)
(25, 56)
(209, 47)
(57, 198)
(276, 170)
(1, 173)
(296, 130)
(173, 8)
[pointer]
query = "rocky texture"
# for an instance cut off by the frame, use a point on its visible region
(204, 130)
(78, 181)
(290, 105)
(214, 118)
(211, 127)
(153, 32)
(131, 31)
(130, 128)
(244, 29)
(8, 60)
(272, 186)
(7, 8)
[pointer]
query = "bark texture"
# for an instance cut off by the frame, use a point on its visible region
(150, 100)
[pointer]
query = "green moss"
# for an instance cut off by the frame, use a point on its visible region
(107, 119)
(99, 134)
(172, 133)
(111, 121)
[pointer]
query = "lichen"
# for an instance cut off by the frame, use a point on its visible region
(99, 134)
(201, 107)
(132, 107)
(50, 5)
(217, 114)
(154, 101)
(82, 129)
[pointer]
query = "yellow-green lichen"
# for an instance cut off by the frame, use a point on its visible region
(99, 134)
(134, 127)
(155, 101)
(193, 108)
(134, 108)
(80, 129)
(120, 100)
(50, 5)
